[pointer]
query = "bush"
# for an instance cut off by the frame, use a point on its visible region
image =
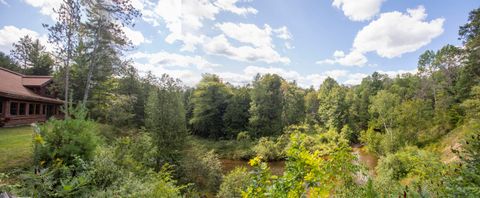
(419, 169)
(126, 169)
(202, 168)
(65, 139)
(269, 149)
(243, 136)
(234, 183)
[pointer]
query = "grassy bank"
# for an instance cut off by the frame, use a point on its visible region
(15, 147)
(226, 149)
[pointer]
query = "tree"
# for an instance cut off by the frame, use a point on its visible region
(311, 107)
(266, 106)
(7, 63)
(332, 109)
(165, 119)
(32, 57)
(209, 103)
(105, 37)
(382, 110)
(236, 114)
(64, 35)
(293, 104)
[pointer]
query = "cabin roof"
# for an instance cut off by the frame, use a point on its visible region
(14, 85)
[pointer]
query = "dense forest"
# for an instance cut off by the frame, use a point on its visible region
(127, 134)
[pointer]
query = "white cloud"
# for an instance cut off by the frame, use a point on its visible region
(230, 5)
(354, 58)
(46, 6)
(4, 2)
(165, 59)
(11, 34)
(247, 33)
(187, 76)
(390, 36)
(358, 10)
(219, 45)
(283, 33)
(184, 19)
(315, 79)
(355, 78)
(395, 33)
(136, 37)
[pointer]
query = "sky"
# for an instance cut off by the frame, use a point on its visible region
(301, 40)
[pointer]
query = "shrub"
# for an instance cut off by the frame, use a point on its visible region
(419, 169)
(234, 183)
(243, 136)
(202, 168)
(269, 149)
(65, 139)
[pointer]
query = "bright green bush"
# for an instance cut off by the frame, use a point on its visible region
(307, 173)
(419, 169)
(234, 183)
(65, 140)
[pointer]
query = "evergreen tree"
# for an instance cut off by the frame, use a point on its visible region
(165, 119)
(32, 57)
(7, 63)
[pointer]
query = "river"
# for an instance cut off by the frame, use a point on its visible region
(277, 167)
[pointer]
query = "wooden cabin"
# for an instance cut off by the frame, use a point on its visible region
(26, 99)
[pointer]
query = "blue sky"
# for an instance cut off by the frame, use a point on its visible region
(302, 40)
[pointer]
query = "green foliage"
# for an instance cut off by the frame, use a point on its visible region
(293, 104)
(165, 120)
(311, 107)
(465, 177)
(226, 149)
(202, 168)
(32, 57)
(234, 183)
(65, 140)
(266, 106)
(472, 105)
(209, 102)
(58, 180)
(125, 169)
(243, 136)
(270, 149)
(332, 110)
(8, 63)
(236, 114)
(314, 173)
(418, 169)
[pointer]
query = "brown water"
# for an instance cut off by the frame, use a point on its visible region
(277, 167)
(369, 160)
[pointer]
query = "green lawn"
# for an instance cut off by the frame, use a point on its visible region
(15, 147)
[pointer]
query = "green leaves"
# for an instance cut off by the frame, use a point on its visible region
(210, 103)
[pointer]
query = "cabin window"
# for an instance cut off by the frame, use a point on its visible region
(21, 109)
(44, 109)
(31, 109)
(13, 108)
(1, 107)
(37, 109)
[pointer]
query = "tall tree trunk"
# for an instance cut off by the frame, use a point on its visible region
(91, 66)
(89, 80)
(67, 74)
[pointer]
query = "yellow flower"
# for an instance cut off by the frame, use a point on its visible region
(255, 161)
